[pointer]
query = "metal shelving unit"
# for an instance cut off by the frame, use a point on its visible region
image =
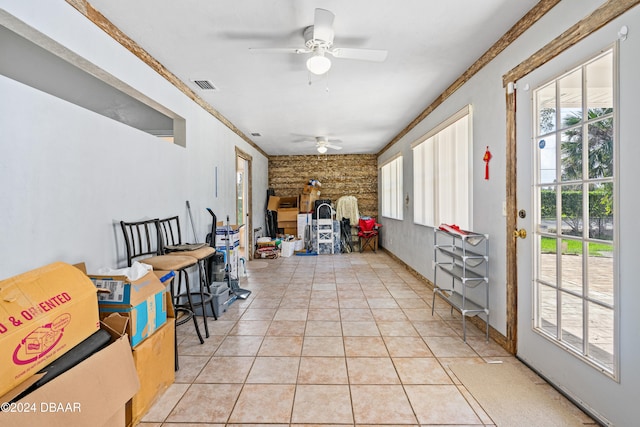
(464, 259)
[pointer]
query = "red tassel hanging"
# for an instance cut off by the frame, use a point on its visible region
(486, 158)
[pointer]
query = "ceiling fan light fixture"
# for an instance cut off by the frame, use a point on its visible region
(318, 64)
(322, 149)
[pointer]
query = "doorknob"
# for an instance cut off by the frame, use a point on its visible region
(522, 233)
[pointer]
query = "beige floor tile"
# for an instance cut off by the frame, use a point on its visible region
(328, 341)
(323, 370)
(360, 329)
(165, 404)
(196, 404)
(323, 328)
(264, 403)
(265, 303)
(440, 404)
(191, 346)
(421, 371)
(190, 367)
(295, 302)
(381, 404)
(323, 346)
(281, 346)
(434, 328)
(219, 327)
(258, 314)
(388, 314)
(291, 314)
(239, 345)
(324, 313)
(359, 302)
(324, 303)
(188, 425)
(449, 347)
(356, 314)
(287, 328)
(274, 370)
(225, 370)
(418, 314)
(371, 370)
(322, 404)
(250, 327)
(382, 302)
(407, 347)
(365, 347)
(397, 329)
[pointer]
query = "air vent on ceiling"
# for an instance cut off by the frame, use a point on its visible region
(205, 84)
(255, 134)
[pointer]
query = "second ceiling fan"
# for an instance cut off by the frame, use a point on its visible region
(319, 42)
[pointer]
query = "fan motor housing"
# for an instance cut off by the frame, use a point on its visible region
(312, 43)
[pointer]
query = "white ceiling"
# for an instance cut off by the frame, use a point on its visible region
(363, 104)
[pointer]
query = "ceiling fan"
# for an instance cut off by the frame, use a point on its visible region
(323, 143)
(319, 42)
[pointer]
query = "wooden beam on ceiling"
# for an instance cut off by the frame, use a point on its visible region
(530, 18)
(599, 18)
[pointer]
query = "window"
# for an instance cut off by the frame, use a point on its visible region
(442, 172)
(575, 282)
(392, 188)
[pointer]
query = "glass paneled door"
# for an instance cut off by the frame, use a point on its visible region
(243, 203)
(567, 282)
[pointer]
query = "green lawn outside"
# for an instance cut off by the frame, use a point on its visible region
(548, 245)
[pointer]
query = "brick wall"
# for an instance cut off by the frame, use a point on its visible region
(340, 175)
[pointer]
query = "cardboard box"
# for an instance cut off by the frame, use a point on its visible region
(221, 235)
(288, 224)
(43, 314)
(154, 361)
(287, 207)
(92, 393)
(307, 201)
(143, 301)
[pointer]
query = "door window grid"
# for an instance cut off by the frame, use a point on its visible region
(574, 284)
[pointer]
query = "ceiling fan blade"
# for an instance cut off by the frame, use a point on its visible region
(362, 54)
(278, 50)
(335, 147)
(323, 25)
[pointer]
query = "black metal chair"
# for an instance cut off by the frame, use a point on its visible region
(144, 244)
(171, 235)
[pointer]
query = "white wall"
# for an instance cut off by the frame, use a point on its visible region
(414, 243)
(614, 401)
(68, 175)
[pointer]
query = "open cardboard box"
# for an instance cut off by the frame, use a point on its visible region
(143, 301)
(43, 314)
(92, 393)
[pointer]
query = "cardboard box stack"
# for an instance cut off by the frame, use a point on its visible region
(45, 314)
(232, 257)
(287, 209)
(142, 309)
(310, 194)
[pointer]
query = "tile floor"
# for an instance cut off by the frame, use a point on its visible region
(335, 339)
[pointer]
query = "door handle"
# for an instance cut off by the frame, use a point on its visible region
(522, 233)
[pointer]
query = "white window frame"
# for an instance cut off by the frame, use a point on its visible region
(441, 169)
(392, 189)
(583, 351)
